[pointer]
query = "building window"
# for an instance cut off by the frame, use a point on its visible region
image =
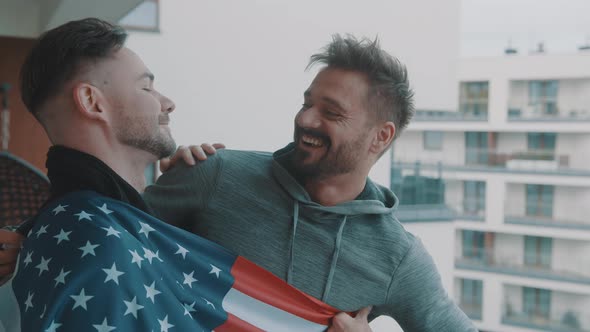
(539, 200)
(433, 140)
(536, 302)
(477, 149)
(541, 146)
(415, 190)
(473, 98)
(471, 297)
(474, 198)
(537, 251)
(144, 17)
(473, 245)
(543, 97)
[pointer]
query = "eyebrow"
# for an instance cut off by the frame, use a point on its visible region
(328, 100)
(147, 74)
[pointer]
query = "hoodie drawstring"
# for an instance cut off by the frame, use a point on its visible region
(335, 255)
(292, 248)
(334, 260)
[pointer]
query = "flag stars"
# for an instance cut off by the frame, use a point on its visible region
(132, 307)
(188, 279)
(135, 258)
(84, 215)
(188, 308)
(112, 231)
(104, 327)
(104, 209)
(28, 258)
(62, 236)
(42, 230)
(29, 301)
(164, 325)
(53, 327)
(44, 265)
(59, 208)
(181, 251)
(145, 229)
(215, 270)
(209, 303)
(149, 255)
(61, 278)
(88, 249)
(151, 291)
(81, 299)
(113, 274)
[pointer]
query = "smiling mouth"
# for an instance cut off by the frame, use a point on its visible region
(311, 141)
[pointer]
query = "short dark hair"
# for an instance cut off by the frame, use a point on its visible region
(390, 95)
(58, 54)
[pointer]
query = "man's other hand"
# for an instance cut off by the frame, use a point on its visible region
(190, 155)
(342, 322)
(10, 243)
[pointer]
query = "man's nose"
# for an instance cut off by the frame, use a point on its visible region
(309, 118)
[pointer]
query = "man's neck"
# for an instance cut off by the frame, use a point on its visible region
(335, 189)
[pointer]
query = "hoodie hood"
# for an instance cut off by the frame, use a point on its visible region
(372, 200)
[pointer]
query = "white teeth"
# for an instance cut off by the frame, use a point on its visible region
(316, 142)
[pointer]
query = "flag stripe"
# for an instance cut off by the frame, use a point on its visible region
(233, 324)
(258, 283)
(265, 316)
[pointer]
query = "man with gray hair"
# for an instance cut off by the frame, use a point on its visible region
(309, 213)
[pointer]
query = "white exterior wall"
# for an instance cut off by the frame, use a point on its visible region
(515, 200)
(571, 204)
(513, 298)
(561, 303)
(509, 249)
(454, 194)
(410, 148)
(511, 142)
(574, 95)
(571, 257)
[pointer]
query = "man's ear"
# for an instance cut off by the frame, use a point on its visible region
(384, 135)
(89, 101)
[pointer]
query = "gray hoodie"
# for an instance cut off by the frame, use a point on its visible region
(349, 255)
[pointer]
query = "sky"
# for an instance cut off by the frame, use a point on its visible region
(487, 26)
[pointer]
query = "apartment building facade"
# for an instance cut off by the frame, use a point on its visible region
(511, 169)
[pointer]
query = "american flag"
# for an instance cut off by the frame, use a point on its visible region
(96, 264)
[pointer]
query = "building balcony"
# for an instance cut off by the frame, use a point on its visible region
(485, 160)
(473, 311)
(489, 261)
(449, 116)
(541, 114)
(424, 213)
(544, 221)
(557, 324)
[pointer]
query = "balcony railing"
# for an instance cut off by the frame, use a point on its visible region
(536, 266)
(472, 310)
(529, 113)
(424, 213)
(486, 160)
(438, 115)
(568, 322)
(547, 221)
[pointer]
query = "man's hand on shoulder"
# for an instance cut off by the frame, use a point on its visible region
(342, 322)
(10, 243)
(190, 155)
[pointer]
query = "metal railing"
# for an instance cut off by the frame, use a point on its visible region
(438, 115)
(539, 113)
(540, 214)
(529, 265)
(568, 322)
(486, 160)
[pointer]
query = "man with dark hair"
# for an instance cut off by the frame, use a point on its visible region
(94, 257)
(309, 213)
